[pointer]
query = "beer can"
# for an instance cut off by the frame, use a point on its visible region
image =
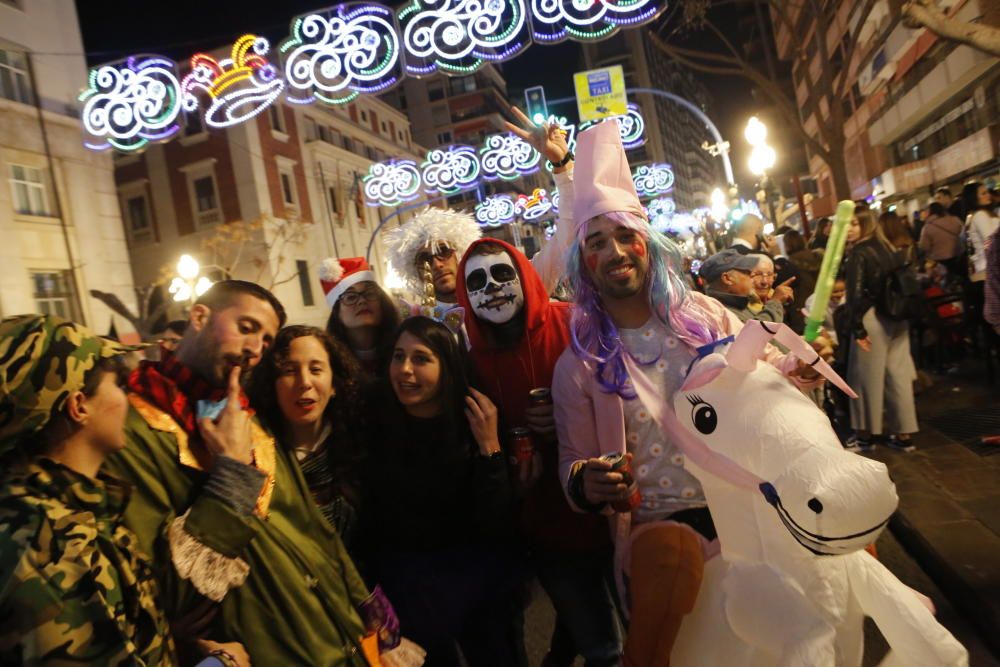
(522, 448)
(540, 396)
(620, 464)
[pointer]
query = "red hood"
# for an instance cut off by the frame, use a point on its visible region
(536, 299)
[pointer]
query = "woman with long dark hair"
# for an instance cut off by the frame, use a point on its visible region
(437, 511)
(307, 391)
(362, 316)
(880, 368)
(979, 226)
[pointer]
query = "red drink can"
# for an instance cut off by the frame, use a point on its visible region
(540, 396)
(522, 448)
(620, 464)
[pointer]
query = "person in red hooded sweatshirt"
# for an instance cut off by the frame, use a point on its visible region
(517, 334)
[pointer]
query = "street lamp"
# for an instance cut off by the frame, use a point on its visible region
(762, 157)
(188, 285)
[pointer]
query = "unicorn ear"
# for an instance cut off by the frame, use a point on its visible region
(704, 370)
(407, 309)
(749, 345)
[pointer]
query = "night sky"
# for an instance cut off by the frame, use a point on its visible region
(183, 27)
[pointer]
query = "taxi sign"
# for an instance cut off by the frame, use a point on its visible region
(600, 93)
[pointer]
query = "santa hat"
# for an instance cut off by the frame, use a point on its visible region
(336, 275)
(434, 227)
(602, 179)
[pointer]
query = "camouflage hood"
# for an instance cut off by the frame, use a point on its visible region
(43, 359)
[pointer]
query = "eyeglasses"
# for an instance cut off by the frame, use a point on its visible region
(354, 298)
(441, 254)
(758, 275)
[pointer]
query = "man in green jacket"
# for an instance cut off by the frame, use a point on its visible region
(225, 513)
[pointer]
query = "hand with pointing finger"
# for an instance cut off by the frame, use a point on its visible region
(783, 292)
(229, 435)
(547, 138)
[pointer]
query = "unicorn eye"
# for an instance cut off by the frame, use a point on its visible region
(704, 417)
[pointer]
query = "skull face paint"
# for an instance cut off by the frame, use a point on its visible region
(494, 287)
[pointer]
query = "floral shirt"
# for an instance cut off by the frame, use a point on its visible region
(665, 486)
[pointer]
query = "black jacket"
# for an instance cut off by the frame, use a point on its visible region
(866, 270)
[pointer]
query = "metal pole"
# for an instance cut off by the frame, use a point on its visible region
(404, 209)
(693, 108)
(329, 213)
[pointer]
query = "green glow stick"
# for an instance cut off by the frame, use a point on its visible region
(828, 271)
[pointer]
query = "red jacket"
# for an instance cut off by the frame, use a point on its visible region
(507, 374)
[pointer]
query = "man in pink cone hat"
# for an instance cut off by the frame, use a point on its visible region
(635, 318)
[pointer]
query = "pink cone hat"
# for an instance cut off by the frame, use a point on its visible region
(602, 178)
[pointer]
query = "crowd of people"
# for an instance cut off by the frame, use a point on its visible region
(384, 490)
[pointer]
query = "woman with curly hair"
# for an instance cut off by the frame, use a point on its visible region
(307, 392)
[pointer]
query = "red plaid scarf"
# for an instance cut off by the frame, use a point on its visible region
(175, 389)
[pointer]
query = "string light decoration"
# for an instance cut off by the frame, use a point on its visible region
(458, 36)
(534, 207)
(653, 179)
(588, 20)
(239, 87)
(131, 102)
(660, 211)
(391, 183)
(507, 156)
(555, 201)
(450, 170)
(496, 210)
(631, 127)
(334, 54)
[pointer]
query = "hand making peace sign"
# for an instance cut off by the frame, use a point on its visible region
(548, 138)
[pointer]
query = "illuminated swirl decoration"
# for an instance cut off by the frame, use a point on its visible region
(495, 211)
(534, 207)
(631, 127)
(555, 201)
(653, 179)
(391, 183)
(457, 36)
(589, 20)
(507, 156)
(660, 211)
(240, 87)
(131, 102)
(337, 53)
(450, 170)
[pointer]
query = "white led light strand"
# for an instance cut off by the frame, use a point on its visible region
(450, 170)
(495, 211)
(653, 179)
(336, 53)
(131, 102)
(508, 157)
(391, 183)
(588, 20)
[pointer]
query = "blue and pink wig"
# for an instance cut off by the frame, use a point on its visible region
(594, 335)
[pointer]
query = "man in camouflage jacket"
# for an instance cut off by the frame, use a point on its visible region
(73, 587)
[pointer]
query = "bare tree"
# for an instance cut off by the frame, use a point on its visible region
(262, 243)
(926, 14)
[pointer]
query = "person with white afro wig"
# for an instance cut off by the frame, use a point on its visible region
(438, 237)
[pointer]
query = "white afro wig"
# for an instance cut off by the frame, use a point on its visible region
(434, 227)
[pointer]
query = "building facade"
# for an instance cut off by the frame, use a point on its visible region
(921, 112)
(59, 217)
(266, 200)
(673, 135)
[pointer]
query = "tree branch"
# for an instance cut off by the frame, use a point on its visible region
(925, 14)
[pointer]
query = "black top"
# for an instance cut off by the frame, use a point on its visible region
(424, 493)
(866, 269)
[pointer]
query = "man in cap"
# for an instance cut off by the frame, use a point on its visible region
(67, 560)
(727, 275)
(226, 513)
(636, 328)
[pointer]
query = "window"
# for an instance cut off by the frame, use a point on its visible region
(435, 91)
(465, 84)
(276, 114)
(204, 195)
(440, 115)
(364, 116)
(193, 123)
(287, 187)
(384, 127)
(53, 293)
(305, 285)
(444, 138)
(28, 185)
(137, 218)
(310, 129)
(331, 193)
(14, 80)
